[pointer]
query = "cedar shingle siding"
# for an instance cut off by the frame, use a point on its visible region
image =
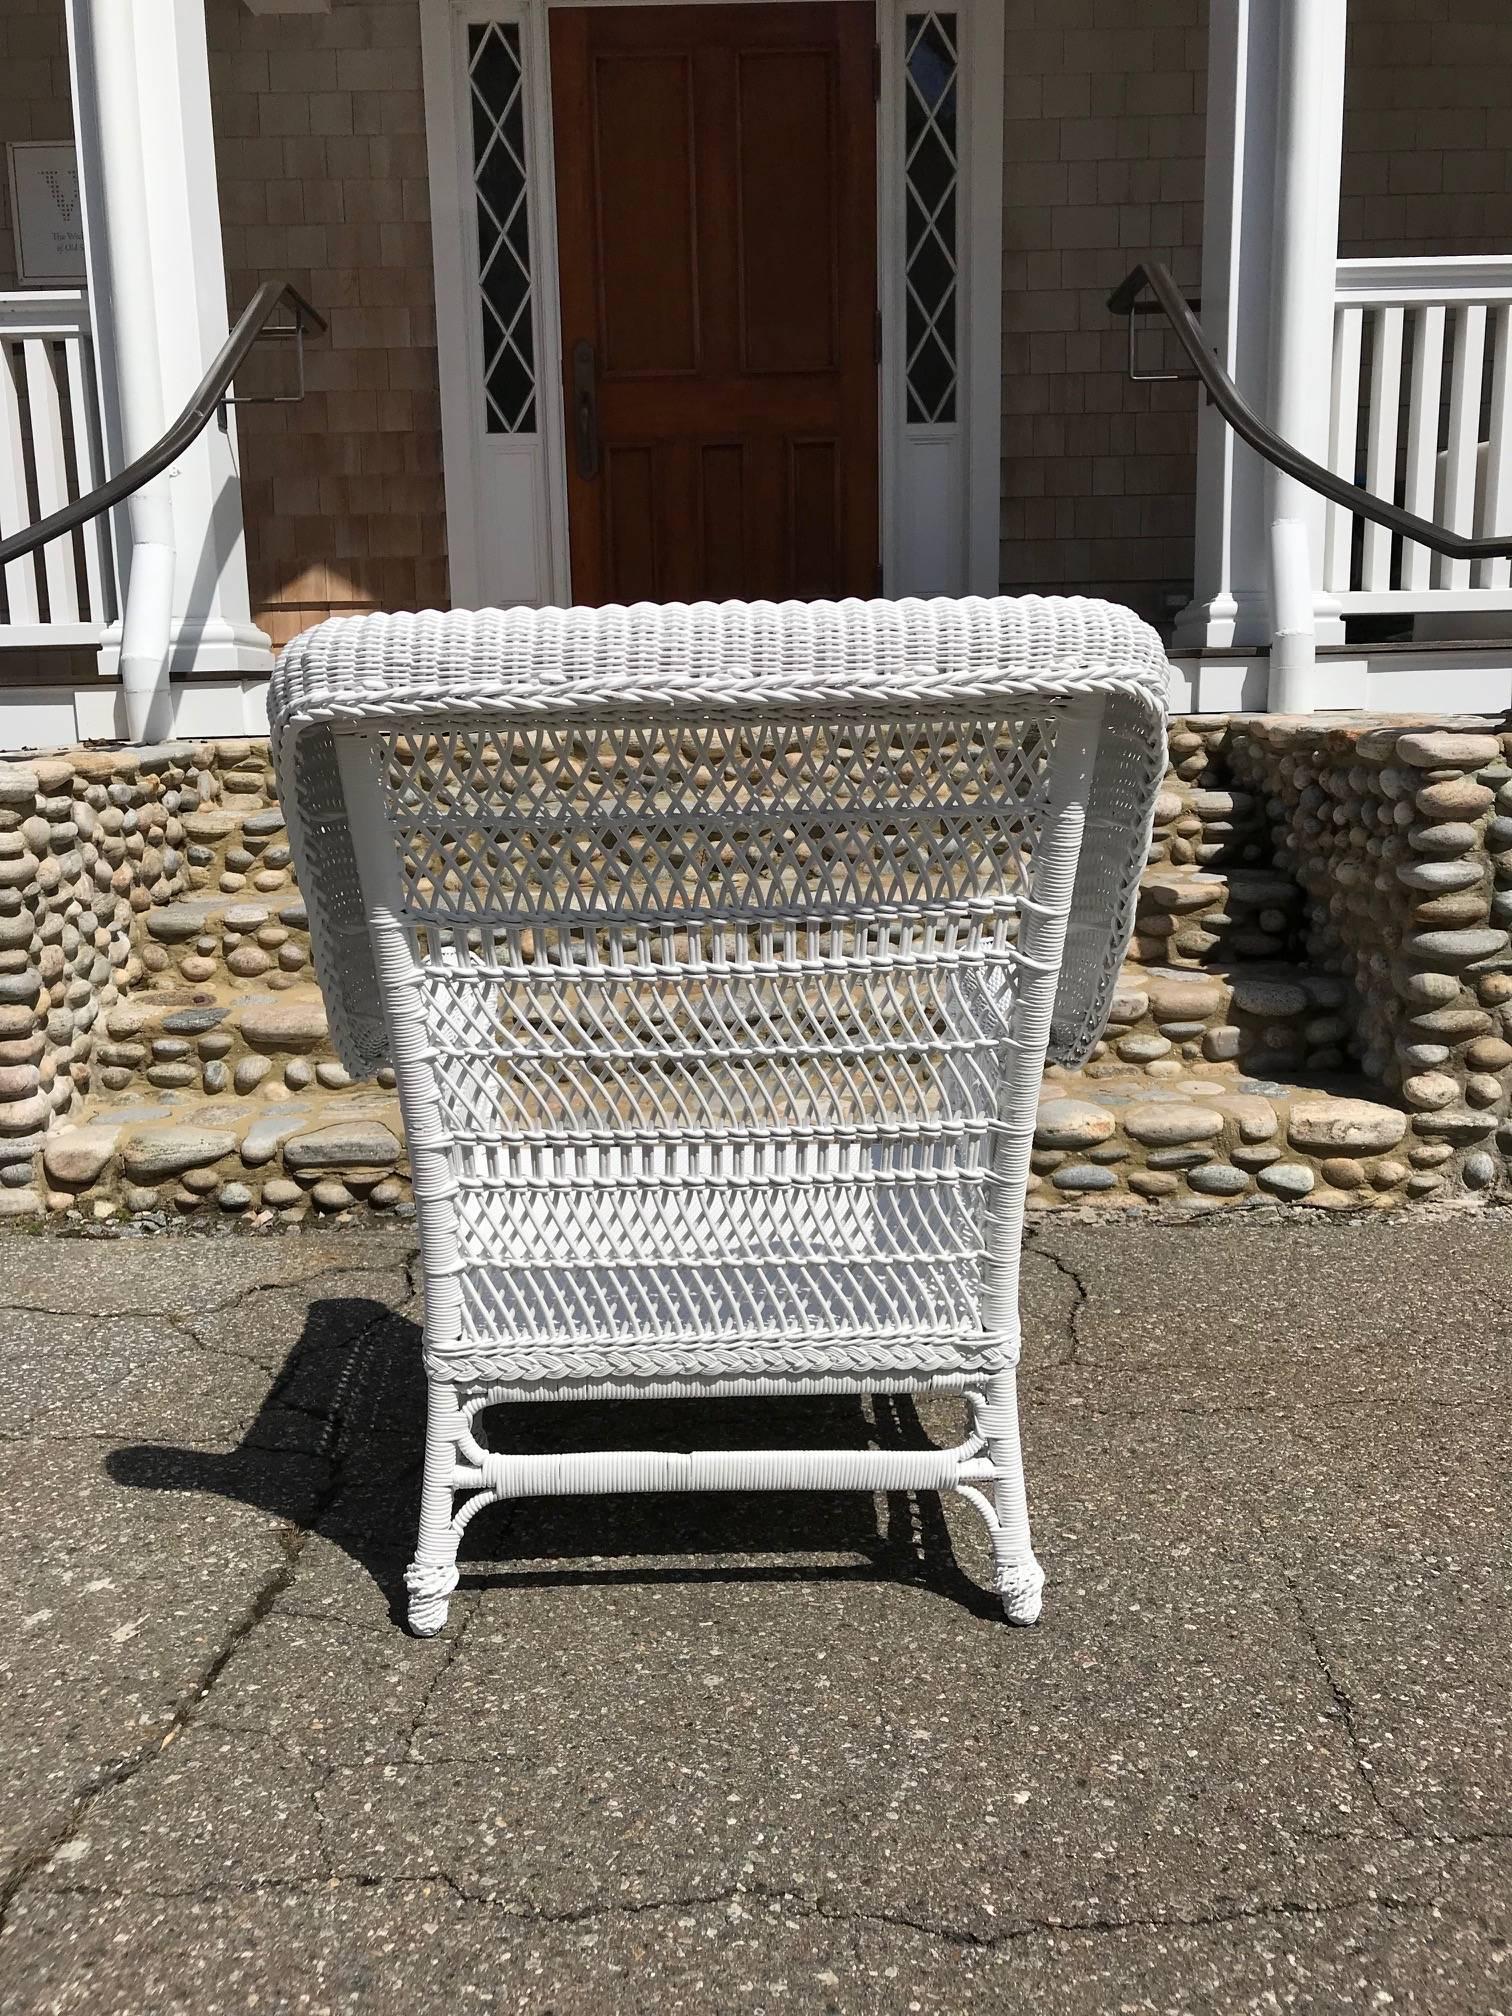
(320, 141)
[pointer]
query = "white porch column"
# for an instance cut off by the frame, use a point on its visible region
(1230, 604)
(157, 288)
(1304, 277)
(1269, 152)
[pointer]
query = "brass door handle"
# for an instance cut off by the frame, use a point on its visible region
(585, 410)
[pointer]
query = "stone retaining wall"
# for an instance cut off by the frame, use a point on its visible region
(1402, 845)
(1371, 946)
(1318, 1001)
(162, 1041)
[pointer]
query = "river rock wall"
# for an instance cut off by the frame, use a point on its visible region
(1317, 1004)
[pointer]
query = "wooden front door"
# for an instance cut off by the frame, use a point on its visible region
(716, 216)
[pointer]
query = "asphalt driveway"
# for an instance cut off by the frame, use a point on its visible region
(734, 1754)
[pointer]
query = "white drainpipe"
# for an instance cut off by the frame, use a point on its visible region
(1294, 639)
(122, 259)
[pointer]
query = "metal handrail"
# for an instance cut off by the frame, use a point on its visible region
(1248, 425)
(191, 423)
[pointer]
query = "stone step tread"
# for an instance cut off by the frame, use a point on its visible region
(1203, 1140)
(190, 916)
(286, 1019)
(1207, 887)
(1111, 1141)
(158, 1139)
(1261, 987)
(147, 1105)
(1266, 1017)
(1218, 1084)
(173, 1109)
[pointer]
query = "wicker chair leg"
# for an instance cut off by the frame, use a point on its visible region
(1017, 1575)
(432, 1575)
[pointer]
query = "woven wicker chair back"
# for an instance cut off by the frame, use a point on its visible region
(719, 951)
(718, 1014)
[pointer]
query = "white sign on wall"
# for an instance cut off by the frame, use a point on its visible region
(46, 213)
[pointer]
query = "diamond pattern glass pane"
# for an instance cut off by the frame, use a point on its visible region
(497, 90)
(931, 174)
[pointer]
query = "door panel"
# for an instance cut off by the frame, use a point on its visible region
(629, 492)
(646, 220)
(788, 294)
(813, 513)
(722, 516)
(716, 205)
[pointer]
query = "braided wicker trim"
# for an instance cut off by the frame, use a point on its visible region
(1022, 1588)
(427, 1582)
(845, 1358)
(711, 661)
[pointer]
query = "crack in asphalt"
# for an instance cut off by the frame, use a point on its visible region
(1017, 1930)
(1047, 1400)
(333, 1449)
(324, 1774)
(1034, 1240)
(73, 1436)
(1344, 1707)
(414, 1274)
(185, 1712)
(187, 1325)
(474, 1604)
(292, 1537)
(181, 1319)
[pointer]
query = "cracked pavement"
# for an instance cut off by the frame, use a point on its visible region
(778, 1753)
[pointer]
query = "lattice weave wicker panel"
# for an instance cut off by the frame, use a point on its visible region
(710, 984)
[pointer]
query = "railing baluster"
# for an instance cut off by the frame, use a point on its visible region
(1497, 510)
(1461, 457)
(15, 513)
(1381, 450)
(99, 570)
(1344, 420)
(50, 455)
(1422, 435)
(51, 463)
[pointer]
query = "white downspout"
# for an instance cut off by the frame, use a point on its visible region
(123, 259)
(1294, 638)
(1304, 262)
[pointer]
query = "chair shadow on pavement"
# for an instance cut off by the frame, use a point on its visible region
(335, 1449)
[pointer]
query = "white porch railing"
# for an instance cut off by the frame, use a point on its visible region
(1422, 416)
(49, 455)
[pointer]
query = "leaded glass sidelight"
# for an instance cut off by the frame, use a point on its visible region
(931, 181)
(496, 82)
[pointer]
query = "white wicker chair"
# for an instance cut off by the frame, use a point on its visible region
(717, 951)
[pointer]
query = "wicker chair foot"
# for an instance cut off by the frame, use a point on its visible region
(430, 1589)
(1021, 1585)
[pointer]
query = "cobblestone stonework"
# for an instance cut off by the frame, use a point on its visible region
(1319, 996)
(1317, 1004)
(162, 1041)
